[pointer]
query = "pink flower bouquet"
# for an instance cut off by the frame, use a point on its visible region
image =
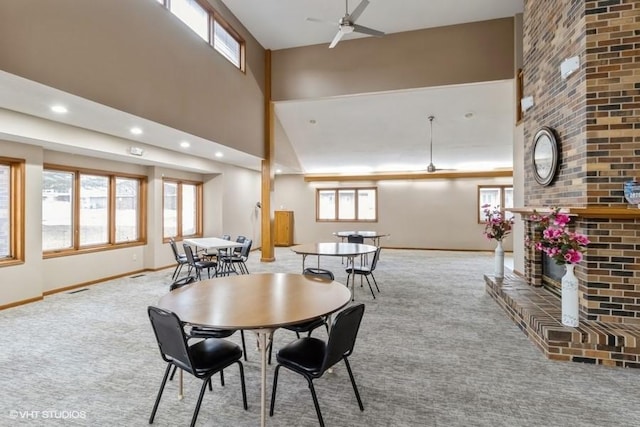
(562, 245)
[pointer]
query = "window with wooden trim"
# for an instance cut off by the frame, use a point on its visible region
(347, 204)
(497, 197)
(210, 26)
(12, 194)
(182, 209)
(90, 210)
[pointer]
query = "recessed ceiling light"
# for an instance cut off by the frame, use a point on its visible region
(60, 109)
(136, 131)
(185, 144)
(219, 154)
(278, 170)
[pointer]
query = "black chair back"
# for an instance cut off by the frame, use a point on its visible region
(226, 237)
(189, 254)
(355, 238)
(239, 239)
(182, 282)
(319, 272)
(171, 338)
(342, 335)
(246, 248)
(374, 262)
(174, 248)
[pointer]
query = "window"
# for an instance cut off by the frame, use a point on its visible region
(11, 211)
(88, 210)
(208, 24)
(192, 14)
(182, 210)
(497, 196)
(346, 204)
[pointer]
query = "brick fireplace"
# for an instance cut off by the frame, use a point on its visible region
(595, 114)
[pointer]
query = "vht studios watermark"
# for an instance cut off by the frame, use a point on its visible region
(52, 414)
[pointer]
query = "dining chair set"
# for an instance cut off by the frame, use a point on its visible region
(223, 262)
(203, 352)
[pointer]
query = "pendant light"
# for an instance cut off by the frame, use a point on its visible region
(431, 168)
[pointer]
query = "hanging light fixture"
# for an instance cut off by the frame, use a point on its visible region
(431, 168)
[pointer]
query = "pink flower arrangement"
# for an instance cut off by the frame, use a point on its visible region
(560, 244)
(497, 226)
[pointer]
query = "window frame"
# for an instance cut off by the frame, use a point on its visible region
(215, 16)
(111, 243)
(501, 188)
(17, 212)
(199, 209)
(336, 217)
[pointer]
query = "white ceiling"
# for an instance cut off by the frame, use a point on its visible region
(369, 132)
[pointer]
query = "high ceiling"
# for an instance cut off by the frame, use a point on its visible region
(388, 131)
(358, 133)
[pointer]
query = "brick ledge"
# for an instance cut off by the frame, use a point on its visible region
(536, 311)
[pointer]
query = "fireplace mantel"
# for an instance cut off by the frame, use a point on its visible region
(588, 212)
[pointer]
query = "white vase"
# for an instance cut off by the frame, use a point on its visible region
(499, 260)
(570, 304)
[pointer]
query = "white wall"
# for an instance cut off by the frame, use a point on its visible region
(229, 207)
(429, 214)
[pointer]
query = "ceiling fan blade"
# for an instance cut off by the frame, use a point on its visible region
(336, 39)
(358, 10)
(322, 21)
(365, 30)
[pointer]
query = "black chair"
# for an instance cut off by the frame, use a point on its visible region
(198, 264)
(365, 271)
(194, 331)
(355, 238)
(181, 259)
(202, 359)
(311, 357)
(230, 261)
(308, 326)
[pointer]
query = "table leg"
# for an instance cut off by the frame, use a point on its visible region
(263, 341)
(180, 390)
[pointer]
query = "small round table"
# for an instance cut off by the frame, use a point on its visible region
(260, 302)
(373, 235)
(348, 250)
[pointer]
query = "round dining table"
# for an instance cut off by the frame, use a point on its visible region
(259, 302)
(373, 235)
(341, 249)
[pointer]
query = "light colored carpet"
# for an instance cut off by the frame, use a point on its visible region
(433, 350)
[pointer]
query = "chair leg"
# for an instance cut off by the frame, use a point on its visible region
(244, 347)
(374, 281)
(197, 410)
(273, 391)
(164, 382)
(270, 350)
(353, 383)
(370, 288)
(315, 400)
(173, 373)
(222, 378)
(244, 390)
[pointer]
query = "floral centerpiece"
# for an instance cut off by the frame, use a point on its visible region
(565, 247)
(497, 226)
(560, 244)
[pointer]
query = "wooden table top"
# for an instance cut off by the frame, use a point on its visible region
(334, 249)
(256, 301)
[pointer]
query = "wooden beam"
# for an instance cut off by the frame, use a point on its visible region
(410, 175)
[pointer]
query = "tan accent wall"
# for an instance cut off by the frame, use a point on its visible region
(474, 52)
(137, 57)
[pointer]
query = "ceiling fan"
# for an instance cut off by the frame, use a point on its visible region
(347, 24)
(431, 168)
